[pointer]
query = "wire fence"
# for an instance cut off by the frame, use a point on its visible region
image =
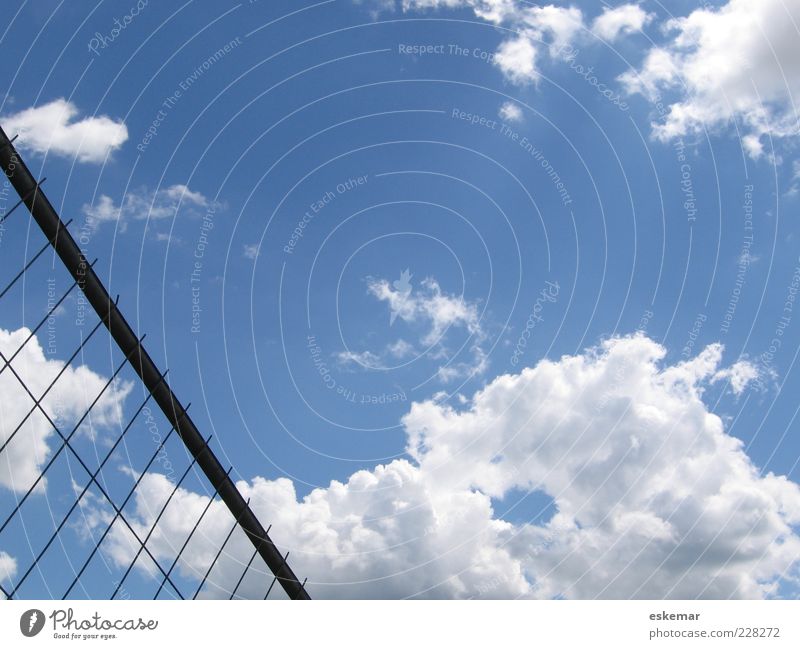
(70, 517)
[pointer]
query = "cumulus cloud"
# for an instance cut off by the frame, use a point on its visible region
(55, 128)
(144, 204)
(27, 449)
(624, 19)
(738, 62)
(652, 497)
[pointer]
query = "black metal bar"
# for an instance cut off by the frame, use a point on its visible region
(9, 143)
(269, 590)
(188, 538)
(75, 262)
(5, 592)
(117, 515)
(216, 557)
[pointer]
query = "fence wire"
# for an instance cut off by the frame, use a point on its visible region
(72, 525)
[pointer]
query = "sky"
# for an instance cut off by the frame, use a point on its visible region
(479, 298)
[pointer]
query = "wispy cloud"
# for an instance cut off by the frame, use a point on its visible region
(250, 250)
(365, 359)
(433, 314)
(145, 204)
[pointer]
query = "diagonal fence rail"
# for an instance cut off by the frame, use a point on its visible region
(156, 390)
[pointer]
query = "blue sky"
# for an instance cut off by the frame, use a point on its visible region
(323, 214)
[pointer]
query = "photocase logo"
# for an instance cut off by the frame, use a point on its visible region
(403, 288)
(31, 622)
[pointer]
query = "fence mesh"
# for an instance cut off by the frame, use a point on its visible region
(74, 461)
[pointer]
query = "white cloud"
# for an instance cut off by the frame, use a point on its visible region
(28, 450)
(623, 19)
(54, 128)
(535, 25)
(428, 304)
(363, 359)
(559, 25)
(794, 183)
(516, 58)
(551, 27)
(753, 146)
(510, 112)
(8, 569)
(144, 204)
(250, 250)
(653, 498)
(434, 315)
(740, 374)
(438, 314)
(401, 349)
(475, 366)
(409, 5)
(738, 62)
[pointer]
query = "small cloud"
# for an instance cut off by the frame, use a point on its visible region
(747, 258)
(401, 349)
(8, 567)
(364, 359)
(476, 366)
(740, 375)
(753, 146)
(53, 128)
(624, 19)
(403, 287)
(517, 60)
(143, 204)
(510, 112)
(250, 250)
(794, 183)
(438, 313)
